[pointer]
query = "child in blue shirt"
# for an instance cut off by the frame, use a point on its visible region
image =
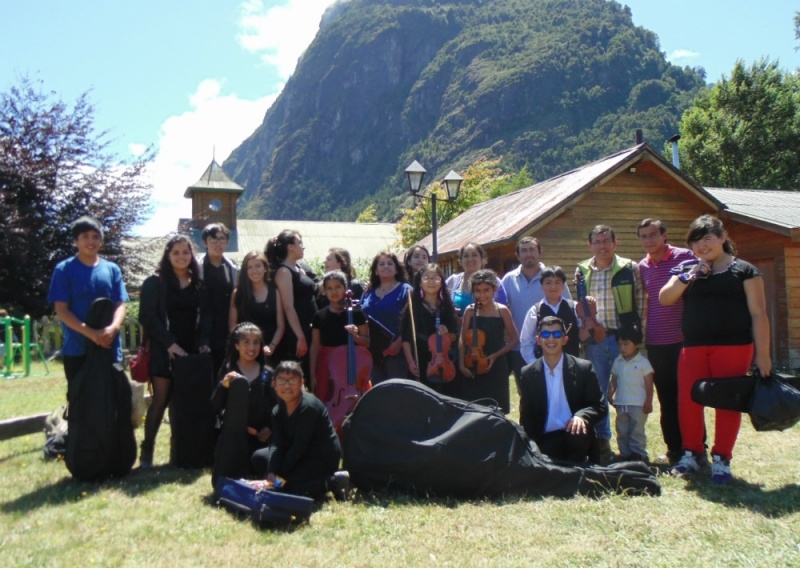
(631, 394)
(76, 283)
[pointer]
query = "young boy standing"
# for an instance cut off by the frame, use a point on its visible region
(631, 393)
(552, 280)
(77, 282)
(219, 275)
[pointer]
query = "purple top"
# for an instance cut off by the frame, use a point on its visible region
(663, 322)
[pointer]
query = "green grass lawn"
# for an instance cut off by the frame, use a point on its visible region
(164, 516)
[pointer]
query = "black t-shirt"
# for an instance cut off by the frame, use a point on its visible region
(715, 309)
(331, 325)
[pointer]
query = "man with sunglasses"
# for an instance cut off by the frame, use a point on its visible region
(560, 398)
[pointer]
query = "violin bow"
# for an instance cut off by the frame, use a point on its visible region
(413, 329)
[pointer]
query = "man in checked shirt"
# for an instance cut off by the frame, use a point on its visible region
(616, 285)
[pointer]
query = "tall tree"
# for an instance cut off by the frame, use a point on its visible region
(54, 167)
(744, 132)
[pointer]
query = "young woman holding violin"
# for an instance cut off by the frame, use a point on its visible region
(434, 321)
(487, 334)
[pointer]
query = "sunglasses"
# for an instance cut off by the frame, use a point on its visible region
(287, 381)
(545, 334)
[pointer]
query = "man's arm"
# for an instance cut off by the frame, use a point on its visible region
(594, 405)
(71, 321)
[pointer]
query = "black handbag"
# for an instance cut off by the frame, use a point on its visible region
(774, 404)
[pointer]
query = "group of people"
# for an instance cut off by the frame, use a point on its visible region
(272, 328)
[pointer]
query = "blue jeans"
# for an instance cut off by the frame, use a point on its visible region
(602, 356)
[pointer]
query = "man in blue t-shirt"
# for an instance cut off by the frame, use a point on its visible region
(76, 283)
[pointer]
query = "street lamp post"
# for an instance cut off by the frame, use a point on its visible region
(452, 183)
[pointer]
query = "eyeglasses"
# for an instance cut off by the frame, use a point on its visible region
(435, 278)
(290, 381)
(545, 334)
(217, 240)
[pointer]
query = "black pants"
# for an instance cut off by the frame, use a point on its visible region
(664, 359)
(308, 477)
(560, 445)
(516, 362)
(72, 364)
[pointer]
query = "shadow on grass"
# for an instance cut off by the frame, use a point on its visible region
(68, 490)
(741, 494)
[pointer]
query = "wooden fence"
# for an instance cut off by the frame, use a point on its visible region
(47, 332)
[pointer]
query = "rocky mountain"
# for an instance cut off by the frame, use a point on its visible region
(547, 83)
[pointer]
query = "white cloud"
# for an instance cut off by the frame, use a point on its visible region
(683, 54)
(280, 34)
(216, 121)
(214, 126)
(137, 150)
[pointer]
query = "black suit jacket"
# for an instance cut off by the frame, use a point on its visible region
(580, 386)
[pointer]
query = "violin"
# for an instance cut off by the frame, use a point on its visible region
(350, 367)
(475, 357)
(586, 309)
(440, 364)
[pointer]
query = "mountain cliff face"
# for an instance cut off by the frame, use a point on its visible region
(548, 83)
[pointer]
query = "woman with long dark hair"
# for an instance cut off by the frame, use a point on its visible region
(472, 258)
(724, 324)
(430, 301)
(173, 311)
(339, 259)
(415, 259)
(256, 299)
(297, 292)
(382, 304)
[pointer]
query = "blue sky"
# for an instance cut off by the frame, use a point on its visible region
(191, 78)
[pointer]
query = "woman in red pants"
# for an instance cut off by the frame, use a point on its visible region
(724, 324)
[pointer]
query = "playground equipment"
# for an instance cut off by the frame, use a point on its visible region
(22, 350)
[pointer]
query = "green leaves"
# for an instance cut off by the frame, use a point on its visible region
(745, 131)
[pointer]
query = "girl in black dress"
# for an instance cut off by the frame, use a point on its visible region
(173, 311)
(297, 292)
(339, 259)
(430, 300)
(501, 336)
(257, 300)
(244, 399)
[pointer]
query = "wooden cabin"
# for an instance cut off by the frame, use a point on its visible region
(620, 190)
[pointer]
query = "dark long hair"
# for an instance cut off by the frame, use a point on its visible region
(407, 260)
(705, 225)
(278, 248)
(345, 263)
(232, 355)
(374, 279)
(445, 300)
(245, 299)
(165, 269)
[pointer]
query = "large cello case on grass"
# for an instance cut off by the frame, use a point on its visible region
(404, 436)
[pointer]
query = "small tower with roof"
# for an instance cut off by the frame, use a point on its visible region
(214, 198)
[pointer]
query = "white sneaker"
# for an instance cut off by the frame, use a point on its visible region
(721, 470)
(687, 465)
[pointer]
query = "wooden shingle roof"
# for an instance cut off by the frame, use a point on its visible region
(506, 218)
(214, 179)
(773, 210)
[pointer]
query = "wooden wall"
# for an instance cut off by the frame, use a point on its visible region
(623, 201)
(203, 215)
(779, 259)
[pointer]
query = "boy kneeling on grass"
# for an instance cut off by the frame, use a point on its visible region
(305, 450)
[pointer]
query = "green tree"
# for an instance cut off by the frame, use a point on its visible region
(483, 180)
(54, 167)
(745, 131)
(368, 215)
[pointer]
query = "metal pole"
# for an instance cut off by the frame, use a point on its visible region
(26, 345)
(434, 227)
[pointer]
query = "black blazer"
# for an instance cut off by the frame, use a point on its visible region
(580, 385)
